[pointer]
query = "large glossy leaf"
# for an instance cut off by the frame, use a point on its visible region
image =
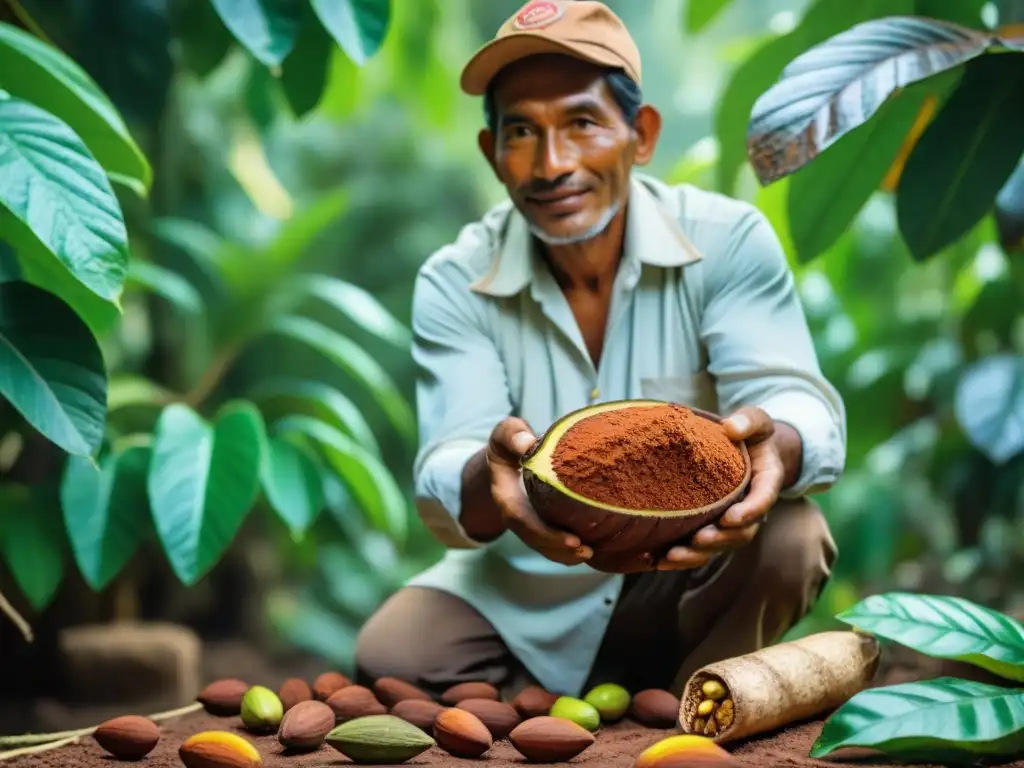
(51, 183)
(315, 398)
(170, 285)
(964, 157)
(304, 72)
(51, 368)
(203, 480)
(839, 84)
(826, 195)
(366, 478)
(757, 73)
(989, 405)
(41, 74)
(944, 627)
(1009, 213)
(292, 483)
(945, 720)
(359, 26)
(267, 28)
(700, 13)
(356, 362)
(356, 303)
(106, 512)
(127, 390)
(31, 539)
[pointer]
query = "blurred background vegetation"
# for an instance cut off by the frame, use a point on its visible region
(386, 154)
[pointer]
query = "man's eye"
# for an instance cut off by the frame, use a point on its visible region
(583, 122)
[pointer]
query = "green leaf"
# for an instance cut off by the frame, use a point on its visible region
(359, 26)
(945, 628)
(31, 543)
(822, 20)
(944, 720)
(1009, 213)
(964, 157)
(966, 12)
(51, 368)
(989, 405)
(203, 39)
(304, 73)
(292, 484)
(170, 285)
(356, 362)
(356, 303)
(41, 268)
(826, 195)
(839, 84)
(127, 390)
(203, 480)
(267, 28)
(50, 182)
(105, 511)
(41, 74)
(314, 398)
(366, 478)
(700, 13)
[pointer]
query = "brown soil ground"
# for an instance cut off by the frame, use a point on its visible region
(617, 746)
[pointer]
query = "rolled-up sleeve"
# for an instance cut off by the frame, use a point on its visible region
(461, 393)
(761, 351)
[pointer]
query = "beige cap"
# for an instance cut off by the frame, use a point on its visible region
(586, 29)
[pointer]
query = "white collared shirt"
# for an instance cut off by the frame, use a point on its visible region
(704, 312)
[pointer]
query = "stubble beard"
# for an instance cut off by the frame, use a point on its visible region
(580, 237)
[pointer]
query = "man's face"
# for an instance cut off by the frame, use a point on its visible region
(562, 147)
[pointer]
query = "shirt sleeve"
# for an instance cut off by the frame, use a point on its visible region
(761, 351)
(461, 393)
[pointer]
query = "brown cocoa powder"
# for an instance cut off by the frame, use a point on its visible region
(662, 457)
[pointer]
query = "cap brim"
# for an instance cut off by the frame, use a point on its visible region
(498, 54)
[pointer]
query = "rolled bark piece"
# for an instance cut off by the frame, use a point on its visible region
(777, 685)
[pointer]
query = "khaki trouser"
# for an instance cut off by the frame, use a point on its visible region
(666, 624)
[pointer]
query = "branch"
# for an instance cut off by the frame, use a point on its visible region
(45, 741)
(211, 377)
(13, 615)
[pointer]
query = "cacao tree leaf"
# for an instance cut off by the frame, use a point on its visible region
(106, 511)
(292, 483)
(304, 72)
(371, 484)
(203, 38)
(41, 74)
(356, 303)
(170, 285)
(320, 400)
(1009, 213)
(356, 362)
(944, 627)
(51, 368)
(945, 720)
(760, 70)
(989, 405)
(964, 157)
(826, 195)
(38, 266)
(203, 480)
(359, 26)
(266, 28)
(839, 84)
(51, 183)
(127, 390)
(700, 13)
(32, 544)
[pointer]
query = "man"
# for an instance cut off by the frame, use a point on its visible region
(596, 283)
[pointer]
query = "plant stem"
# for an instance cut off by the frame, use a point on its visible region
(53, 740)
(16, 617)
(211, 377)
(30, 24)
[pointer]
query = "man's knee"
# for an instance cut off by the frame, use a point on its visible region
(799, 550)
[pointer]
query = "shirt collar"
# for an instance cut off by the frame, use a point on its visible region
(653, 237)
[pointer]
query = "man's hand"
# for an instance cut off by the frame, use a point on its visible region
(509, 441)
(770, 446)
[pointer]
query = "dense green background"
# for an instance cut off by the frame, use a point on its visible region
(380, 168)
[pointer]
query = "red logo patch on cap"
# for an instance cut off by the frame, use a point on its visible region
(538, 14)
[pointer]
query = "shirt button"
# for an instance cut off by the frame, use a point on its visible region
(595, 393)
